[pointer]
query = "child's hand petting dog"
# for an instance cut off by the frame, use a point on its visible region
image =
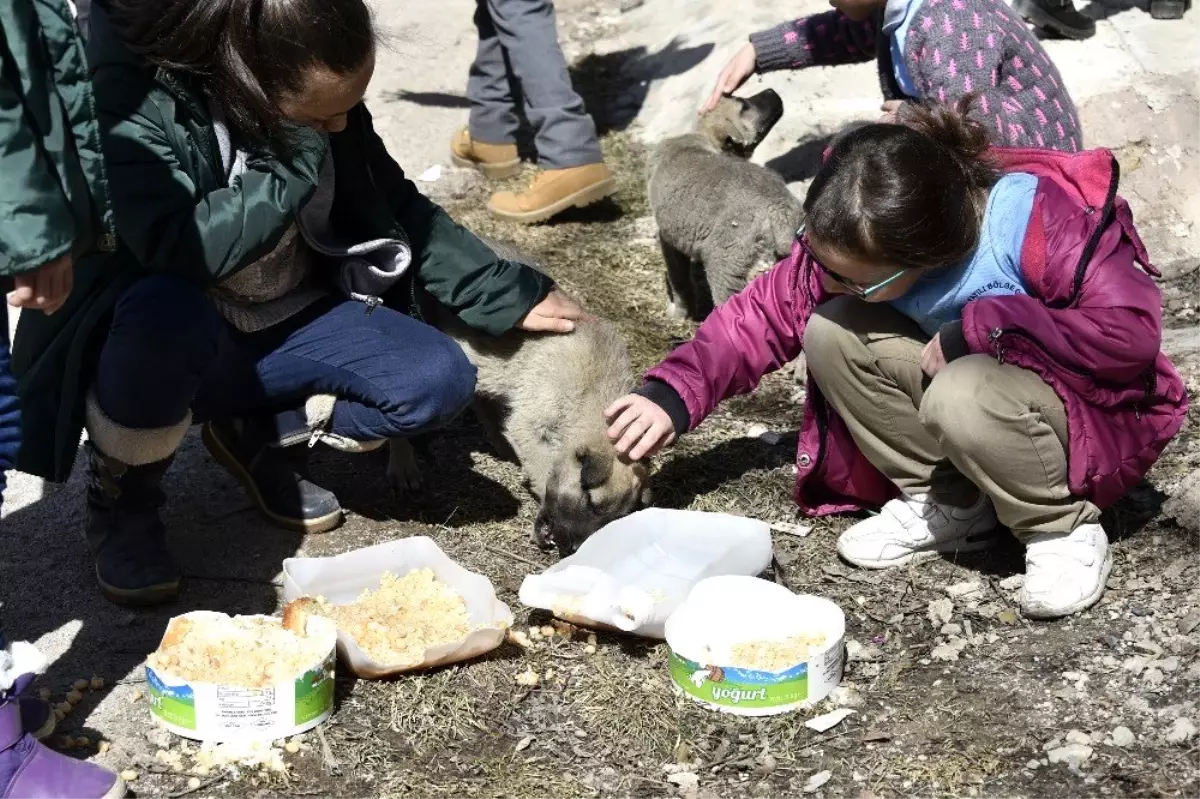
(638, 427)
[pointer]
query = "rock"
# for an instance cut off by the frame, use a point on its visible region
(950, 650)
(1071, 754)
(1013, 583)
(940, 611)
(965, 590)
(1007, 617)
(1033, 765)
(1184, 504)
(1181, 731)
(951, 629)
(1153, 677)
(1077, 737)
(816, 781)
(1123, 736)
(1168, 664)
(846, 695)
(1189, 622)
(688, 782)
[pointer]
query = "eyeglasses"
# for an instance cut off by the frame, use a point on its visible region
(855, 289)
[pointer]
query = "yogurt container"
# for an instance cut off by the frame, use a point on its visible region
(723, 613)
(206, 711)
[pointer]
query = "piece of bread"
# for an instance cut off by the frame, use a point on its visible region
(177, 630)
(296, 613)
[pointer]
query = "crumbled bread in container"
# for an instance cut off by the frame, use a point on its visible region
(396, 623)
(779, 655)
(241, 651)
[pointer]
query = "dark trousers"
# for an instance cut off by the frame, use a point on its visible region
(10, 412)
(169, 350)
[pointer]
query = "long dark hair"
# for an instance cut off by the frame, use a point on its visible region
(248, 53)
(910, 195)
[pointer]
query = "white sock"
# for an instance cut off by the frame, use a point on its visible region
(20, 658)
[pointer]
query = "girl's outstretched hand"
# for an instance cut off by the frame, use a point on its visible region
(555, 314)
(736, 72)
(638, 427)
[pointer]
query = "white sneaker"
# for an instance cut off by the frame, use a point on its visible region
(911, 529)
(1065, 572)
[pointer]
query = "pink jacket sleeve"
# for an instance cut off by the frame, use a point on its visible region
(1112, 332)
(753, 334)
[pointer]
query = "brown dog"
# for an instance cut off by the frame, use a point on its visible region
(541, 397)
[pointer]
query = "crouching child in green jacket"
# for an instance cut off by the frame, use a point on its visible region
(272, 264)
(53, 207)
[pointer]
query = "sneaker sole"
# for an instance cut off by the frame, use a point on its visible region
(1075, 607)
(969, 543)
(160, 594)
(47, 729)
(580, 199)
(498, 171)
(225, 457)
(119, 790)
(1040, 19)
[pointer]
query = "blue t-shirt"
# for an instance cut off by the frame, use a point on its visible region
(897, 19)
(994, 269)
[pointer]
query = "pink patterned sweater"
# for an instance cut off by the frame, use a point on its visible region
(953, 48)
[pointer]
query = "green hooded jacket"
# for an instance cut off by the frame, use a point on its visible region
(53, 196)
(176, 213)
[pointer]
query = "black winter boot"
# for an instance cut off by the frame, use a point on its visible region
(1057, 16)
(125, 531)
(273, 475)
(1169, 9)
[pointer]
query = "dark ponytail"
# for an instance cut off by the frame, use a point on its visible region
(910, 195)
(248, 53)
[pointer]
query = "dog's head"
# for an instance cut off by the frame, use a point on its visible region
(738, 124)
(587, 489)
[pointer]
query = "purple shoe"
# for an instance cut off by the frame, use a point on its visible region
(37, 717)
(28, 770)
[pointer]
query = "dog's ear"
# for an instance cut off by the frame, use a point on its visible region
(594, 467)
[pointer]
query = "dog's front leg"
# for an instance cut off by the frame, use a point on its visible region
(403, 473)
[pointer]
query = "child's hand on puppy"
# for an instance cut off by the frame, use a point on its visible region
(638, 427)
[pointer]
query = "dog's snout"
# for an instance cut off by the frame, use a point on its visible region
(769, 104)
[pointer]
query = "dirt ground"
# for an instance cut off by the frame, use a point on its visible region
(954, 693)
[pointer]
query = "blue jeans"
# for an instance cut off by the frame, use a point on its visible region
(169, 350)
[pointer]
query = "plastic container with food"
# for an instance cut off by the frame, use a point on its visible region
(632, 573)
(224, 678)
(400, 606)
(751, 647)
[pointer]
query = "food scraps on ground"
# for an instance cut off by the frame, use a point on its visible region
(777, 655)
(244, 651)
(396, 623)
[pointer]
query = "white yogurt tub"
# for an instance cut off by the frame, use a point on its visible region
(731, 645)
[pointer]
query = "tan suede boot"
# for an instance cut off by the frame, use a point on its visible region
(495, 161)
(552, 192)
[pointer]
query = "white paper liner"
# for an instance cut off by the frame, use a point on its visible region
(341, 579)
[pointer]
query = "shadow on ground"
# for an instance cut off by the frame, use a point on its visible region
(614, 85)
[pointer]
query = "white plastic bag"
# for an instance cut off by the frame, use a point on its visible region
(342, 579)
(633, 573)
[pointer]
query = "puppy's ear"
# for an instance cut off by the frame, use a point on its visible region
(594, 467)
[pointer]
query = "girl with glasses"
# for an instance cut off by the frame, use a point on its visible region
(982, 337)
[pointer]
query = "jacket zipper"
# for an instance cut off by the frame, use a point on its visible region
(1089, 249)
(1149, 379)
(414, 308)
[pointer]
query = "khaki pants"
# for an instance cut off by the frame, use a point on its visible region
(979, 425)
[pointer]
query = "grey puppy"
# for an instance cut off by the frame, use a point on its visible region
(720, 218)
(541, 399)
